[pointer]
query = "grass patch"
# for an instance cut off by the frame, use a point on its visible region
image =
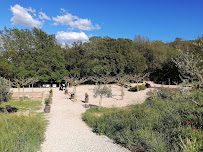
(22, 132)
(165, 122)
(23, 105)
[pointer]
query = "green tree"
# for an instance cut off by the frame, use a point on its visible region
(188, 65)
(31, 53)
(102, 91)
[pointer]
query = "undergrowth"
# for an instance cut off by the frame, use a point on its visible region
(167, 121)
(22, 131)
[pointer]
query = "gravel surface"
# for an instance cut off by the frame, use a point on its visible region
(67, 132)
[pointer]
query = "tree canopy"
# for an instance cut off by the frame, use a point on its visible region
(35, 54)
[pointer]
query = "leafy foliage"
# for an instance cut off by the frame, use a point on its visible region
(33, 53)
(5, 93)
(102, 91)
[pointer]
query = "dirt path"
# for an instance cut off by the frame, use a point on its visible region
(66, 131)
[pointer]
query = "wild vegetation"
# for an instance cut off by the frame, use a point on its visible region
(167, 121)
(24, 130)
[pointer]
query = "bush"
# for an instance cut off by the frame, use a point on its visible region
(134, 89)
(47, 101)
(86, 95)
(5, 93)
(51, 93)
(164, 122)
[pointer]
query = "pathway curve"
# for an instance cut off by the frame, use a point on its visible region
(67, 132)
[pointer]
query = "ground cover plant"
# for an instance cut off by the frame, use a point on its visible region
(167, 121)
(22, 131)
(134, 89)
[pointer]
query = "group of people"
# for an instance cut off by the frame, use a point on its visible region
(62, 87)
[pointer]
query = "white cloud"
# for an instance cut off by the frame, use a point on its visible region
(30, 9)
(83, 24)
(75, 22)
(64, 20)
(43, 16)
(62, 9)
(23, 17)
(71, 37)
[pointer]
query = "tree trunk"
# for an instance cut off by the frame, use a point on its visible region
(122, 92)
(100, 101)
(74, 91)
(23, 93)
(137, 86)
(32, 87)
(18, 92)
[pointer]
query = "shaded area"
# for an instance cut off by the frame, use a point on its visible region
(8, 109)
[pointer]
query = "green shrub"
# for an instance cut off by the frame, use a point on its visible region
(5, 93)
(51, 93)
(134, 89)
(86, 95)
(155, 125)
(47, 101)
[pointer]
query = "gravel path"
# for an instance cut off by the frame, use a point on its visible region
(66, 131)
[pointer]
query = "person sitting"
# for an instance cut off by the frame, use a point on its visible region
(147, 85)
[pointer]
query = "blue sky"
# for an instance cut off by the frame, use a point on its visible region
(72, 20)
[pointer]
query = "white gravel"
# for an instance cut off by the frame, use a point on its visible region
(66, 131)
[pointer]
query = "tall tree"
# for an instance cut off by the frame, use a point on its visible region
(31, 53)
(188, 65)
